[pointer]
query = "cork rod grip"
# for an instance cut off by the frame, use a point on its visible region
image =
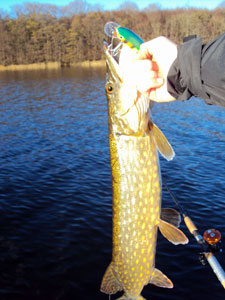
(190, 225)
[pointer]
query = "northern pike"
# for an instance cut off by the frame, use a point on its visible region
(134, 140)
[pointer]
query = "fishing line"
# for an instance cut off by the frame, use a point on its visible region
(174, 199)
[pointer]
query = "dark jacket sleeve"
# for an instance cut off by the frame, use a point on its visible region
(199, 71)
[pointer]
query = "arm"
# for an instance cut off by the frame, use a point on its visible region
(199, 70)
(191, 69)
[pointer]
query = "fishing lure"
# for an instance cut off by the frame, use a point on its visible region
(125, 35)
(129, 37)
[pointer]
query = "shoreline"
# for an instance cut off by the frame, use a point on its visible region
(90, 64)
(52, 66)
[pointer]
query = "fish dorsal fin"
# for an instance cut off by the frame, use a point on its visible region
(171, 216)
(110, 283)
(172, 234)
(161, 280)
(161, 142)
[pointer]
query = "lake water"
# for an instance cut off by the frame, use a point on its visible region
(55, 188)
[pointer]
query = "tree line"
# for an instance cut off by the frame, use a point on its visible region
(36, 35)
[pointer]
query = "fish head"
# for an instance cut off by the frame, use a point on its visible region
(128, 109)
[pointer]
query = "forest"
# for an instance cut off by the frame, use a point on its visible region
(38, 33)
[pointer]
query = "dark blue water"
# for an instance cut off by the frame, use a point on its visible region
(55, 188)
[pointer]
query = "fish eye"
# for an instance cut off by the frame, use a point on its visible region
(109, 88)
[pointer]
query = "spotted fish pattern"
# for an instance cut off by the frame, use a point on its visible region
(136, 210)
(136, 186)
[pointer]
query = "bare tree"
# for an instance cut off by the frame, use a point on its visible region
(153, 7)
(128, 6)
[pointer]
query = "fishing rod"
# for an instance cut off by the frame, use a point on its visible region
(209, 241)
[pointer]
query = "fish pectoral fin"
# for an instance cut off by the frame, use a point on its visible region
(172, 234)
(161, 280)
(110, 283)
(161, 142)
(171, 216)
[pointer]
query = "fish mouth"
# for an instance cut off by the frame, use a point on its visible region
(113, 48)
(112, 52)
(116, 69)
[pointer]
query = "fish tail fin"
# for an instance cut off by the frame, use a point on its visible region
(161, 142)
(160, 279)
(172, 233)
(110, 283)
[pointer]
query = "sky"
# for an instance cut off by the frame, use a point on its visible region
(107, 5)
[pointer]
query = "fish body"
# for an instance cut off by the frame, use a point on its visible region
(134, 140)
(128, 37)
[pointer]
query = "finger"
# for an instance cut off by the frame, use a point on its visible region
(145, 65)
(149, 84)
(144, 52)
(146, 75)
(160, 95)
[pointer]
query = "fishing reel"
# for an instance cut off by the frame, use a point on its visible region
(211, 242)
(213, 238)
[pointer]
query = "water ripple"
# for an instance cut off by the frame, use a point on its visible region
(55, 187)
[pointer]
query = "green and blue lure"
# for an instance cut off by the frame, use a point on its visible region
(125, 35)
(128, 37)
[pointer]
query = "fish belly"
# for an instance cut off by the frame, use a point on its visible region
(136, 209)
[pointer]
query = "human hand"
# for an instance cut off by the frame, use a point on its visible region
(152, 66)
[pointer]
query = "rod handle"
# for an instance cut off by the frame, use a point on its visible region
(215, 265)
(190, 225)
